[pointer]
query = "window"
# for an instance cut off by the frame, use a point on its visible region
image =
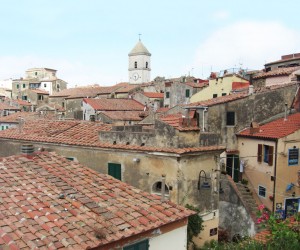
(167, 94)
(187, 93)
(63, 104)
(213, 231)
(6, 127)
(230, 119)
(268, 154)
(114, 169)
(24, 85)
(215, 95)
(262, 191)
(142, 245)
(2, 127)
(223, 94)
(24, 97)
(45, 85)
(135, 65)
(40, 97)
(17, 86)
(35, 73)
(156, 188)
(70, 158)
(265, 153)
(293, 159)
(146, 65)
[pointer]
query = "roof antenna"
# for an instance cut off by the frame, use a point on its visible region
(140, 36)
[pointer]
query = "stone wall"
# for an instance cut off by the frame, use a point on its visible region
(182, 171)
(257, 107)
(163, 135)
(234, 217)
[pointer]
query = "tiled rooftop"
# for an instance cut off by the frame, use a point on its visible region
(114, 104)
(153, 95)
(93, 91)
(40, 91)
(277, 72)
(276, 129)
(48, 202)
(6, 106)
(219, 100)
(14, 118)
(23, 103)
(82, 134)
(201, 84)
(176, 120)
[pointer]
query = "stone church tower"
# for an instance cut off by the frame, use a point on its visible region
(139, 66)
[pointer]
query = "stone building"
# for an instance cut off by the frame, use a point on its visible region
(191, 173)
(220, 85)
(72, 99)
(124, 111)
(286, 61)
(275, 77)
(153, 100)
(270, 153)
(180, 91)
(54, 203)
(37, 78)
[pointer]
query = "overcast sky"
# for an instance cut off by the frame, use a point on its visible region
(88, 41)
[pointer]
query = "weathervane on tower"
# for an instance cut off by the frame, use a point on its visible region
(140, 36)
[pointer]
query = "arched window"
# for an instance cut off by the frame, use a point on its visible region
(156, 188)
(135, 65)
(146, 65)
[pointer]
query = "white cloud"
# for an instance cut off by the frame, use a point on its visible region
(221, 15)
(249, 43)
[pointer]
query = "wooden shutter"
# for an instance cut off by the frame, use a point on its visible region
(259, 153)
(114, 170)
(271, 152)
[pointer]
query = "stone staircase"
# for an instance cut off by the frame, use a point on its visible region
(248, 200)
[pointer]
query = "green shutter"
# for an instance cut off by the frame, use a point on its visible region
(114, 169)
(143, 245)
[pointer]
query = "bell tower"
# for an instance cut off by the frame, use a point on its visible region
(139, 65)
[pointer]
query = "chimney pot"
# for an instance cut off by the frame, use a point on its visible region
(27, 149)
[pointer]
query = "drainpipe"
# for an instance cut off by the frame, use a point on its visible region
(203, 119)
(274, 186)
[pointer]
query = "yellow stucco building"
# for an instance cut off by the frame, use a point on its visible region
(220, 86)
(270, 154)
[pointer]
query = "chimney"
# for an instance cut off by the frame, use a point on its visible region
(254, 128)
(163, 183)
(27, 150)
(251, 88)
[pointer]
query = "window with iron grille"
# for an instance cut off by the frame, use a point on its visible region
(293, 159)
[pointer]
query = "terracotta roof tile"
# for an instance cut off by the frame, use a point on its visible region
(277, 72)
(276, 129)
(5, 106)
(66, 229)
(125, 115)
(219, 100)
(153, 95)
(40, 91)
(104, 104)
(14, 118)
(201, 84)
(82, 134)
(176, 121)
